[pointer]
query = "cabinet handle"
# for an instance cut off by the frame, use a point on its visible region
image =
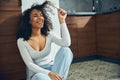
(20, 2)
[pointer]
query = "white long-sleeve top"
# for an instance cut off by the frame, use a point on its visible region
(34, 59)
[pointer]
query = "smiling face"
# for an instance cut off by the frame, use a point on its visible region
(36, 19)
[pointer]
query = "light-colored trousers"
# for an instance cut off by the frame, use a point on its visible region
(61, 65)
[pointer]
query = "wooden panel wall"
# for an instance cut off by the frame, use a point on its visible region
(86, 36)
(108, 35)
(82, 31)
(72, 26)
(95, 35)
(9, 5)
(11, 64)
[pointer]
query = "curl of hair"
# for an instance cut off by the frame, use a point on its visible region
(25, 29)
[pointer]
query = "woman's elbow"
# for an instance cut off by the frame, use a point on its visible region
(67, 43)
(30, 66)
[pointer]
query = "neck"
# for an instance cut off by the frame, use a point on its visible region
(36, 32)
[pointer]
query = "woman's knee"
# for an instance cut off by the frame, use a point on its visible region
(66, 52)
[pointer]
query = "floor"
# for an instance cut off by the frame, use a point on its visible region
(94, 70)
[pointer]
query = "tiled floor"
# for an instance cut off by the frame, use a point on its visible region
(94, 70)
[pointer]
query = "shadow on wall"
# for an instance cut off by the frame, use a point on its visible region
(83, 35)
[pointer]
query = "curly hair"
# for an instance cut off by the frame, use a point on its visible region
(25, 29)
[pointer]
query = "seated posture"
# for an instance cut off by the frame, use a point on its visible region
(34, 43)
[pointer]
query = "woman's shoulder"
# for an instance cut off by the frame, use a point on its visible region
(49, 34)
(20, 41)
(52, 33)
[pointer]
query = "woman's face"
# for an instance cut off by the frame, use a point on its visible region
(36, 19)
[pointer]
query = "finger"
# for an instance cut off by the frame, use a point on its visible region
(59, 77)
(62, 11)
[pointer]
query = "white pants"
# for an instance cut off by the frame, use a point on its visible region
(61, 65)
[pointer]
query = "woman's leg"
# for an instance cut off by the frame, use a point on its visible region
(40, 76)
(62, 62)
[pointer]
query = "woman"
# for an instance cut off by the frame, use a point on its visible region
(34, 43)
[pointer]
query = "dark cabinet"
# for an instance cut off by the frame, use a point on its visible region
(72, 26)
(82, 31)
(108, 35)
(95, 35)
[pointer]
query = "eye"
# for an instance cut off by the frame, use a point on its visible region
(35, 15)
(41, 14)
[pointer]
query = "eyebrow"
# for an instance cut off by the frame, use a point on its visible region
(37, 13)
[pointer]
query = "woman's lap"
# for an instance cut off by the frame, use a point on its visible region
(40, 76)
(62, 61)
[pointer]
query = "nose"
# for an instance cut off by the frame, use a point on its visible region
(40, 17)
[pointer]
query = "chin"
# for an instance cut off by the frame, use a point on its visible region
(40, 26)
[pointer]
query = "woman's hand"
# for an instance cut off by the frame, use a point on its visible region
(54, 76)
(62, 15)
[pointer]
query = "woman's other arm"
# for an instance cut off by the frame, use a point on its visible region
(65, 39)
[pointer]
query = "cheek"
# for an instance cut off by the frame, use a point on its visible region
(32, 20)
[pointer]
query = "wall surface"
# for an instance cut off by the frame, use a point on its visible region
(11, 64)
(99, 6)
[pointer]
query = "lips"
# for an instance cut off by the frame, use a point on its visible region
(40, 22)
